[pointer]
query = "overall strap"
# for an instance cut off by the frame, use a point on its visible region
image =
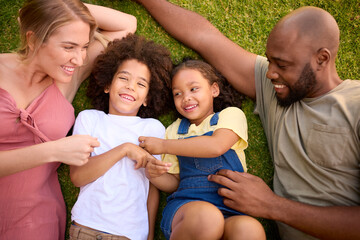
(185, 123)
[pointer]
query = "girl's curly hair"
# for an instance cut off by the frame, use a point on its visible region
(154, 56)
(228, 95)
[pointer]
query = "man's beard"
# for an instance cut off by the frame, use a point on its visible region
(301, 88)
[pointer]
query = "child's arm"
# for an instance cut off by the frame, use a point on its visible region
(156, 172)
(203, 146)
(98, 165)
(152, 206)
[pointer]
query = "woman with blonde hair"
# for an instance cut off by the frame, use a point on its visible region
(37, 86)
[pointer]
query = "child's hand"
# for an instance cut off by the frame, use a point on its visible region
(152, 145)
(156, 168)
(139, 155)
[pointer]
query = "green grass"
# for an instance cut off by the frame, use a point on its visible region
(247, 23)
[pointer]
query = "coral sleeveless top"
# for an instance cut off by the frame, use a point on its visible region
(31, 202)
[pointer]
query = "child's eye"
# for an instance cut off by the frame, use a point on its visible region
(176, 94)
(141, 84)
(194, 89)
(123, 78)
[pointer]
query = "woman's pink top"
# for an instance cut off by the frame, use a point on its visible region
(31, 202)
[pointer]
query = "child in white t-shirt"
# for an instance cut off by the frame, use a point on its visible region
(129, 84)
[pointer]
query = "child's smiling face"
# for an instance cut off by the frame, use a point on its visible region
(129, 88)
(193, 95)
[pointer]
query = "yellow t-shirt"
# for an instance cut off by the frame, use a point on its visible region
(230, 118)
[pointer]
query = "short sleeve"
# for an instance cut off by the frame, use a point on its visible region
(171, 134)
(157, 130)
(234, 119)
(84, 123)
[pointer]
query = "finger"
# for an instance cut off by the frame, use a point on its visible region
(222, 180)
(141, 139)
(94, 142)
(138, 164)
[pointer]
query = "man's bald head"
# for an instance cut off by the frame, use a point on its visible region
(311, 24)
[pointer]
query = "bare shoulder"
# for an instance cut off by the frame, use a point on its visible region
(8, 62)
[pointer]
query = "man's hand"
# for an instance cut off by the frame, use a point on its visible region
(244, 192)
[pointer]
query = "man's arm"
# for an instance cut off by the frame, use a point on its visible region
(249, 194)
(235, 63)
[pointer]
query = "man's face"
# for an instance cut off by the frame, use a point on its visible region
(289, 68)
(300, 89)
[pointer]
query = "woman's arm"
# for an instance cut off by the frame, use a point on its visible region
(152, 206)
(112, 24)
(100, 164)
(203, 146)
(73, 150)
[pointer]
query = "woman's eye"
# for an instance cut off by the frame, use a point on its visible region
(176, 94)
(194, 89)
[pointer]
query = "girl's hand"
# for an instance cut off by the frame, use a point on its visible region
(139, 155)
(156, 168)
(152, 145)
(74, 150)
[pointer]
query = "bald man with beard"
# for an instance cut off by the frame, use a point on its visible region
(310, 116)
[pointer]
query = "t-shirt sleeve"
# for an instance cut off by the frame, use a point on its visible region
(170, 134)
(234, 119)
(265, 93)
(158, 131)
(84, 123)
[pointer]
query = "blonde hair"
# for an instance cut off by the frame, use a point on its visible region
(43, 17)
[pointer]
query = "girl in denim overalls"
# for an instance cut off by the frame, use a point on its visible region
(200, 144)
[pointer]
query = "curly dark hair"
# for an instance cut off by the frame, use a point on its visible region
(156, 57)
(228, 96)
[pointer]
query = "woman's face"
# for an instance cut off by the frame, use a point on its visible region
(64, 51)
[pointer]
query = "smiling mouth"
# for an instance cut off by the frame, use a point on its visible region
(68, 70)
(190, 108)
(127, 97)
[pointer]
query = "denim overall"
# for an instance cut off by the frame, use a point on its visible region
(194, 185)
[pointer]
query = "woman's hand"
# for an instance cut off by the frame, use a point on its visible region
(74, 150)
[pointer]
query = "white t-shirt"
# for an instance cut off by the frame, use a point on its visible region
(116, 202)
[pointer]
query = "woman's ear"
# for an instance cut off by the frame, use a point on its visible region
(30, 39)
(215, 90)
(106, 90)
(145, 102)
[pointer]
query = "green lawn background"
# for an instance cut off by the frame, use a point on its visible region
(246, 22)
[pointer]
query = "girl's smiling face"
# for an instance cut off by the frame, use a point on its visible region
(193, 95)
(129, 88)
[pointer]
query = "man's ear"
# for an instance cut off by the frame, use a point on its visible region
(215, 90)
(323, 58)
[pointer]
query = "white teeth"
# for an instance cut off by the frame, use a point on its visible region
(69, 69)
(127, 97)
(190, 107)
(279, 86)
